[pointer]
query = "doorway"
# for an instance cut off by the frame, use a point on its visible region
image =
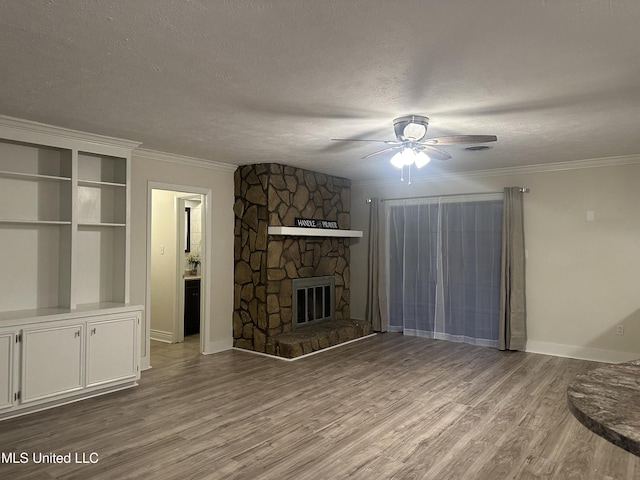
(177, 297)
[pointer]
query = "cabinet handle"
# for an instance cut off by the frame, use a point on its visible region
(93, 331)
(77, 333)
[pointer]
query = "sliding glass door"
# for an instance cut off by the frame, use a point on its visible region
(443, 268)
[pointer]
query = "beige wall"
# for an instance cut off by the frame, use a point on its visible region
(147, 167)
(583, 278)
(163, 264)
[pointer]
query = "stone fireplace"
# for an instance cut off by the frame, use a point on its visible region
(266, 265)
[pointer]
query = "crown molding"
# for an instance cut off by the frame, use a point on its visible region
(183, 160)
(526, 169)
(20, 125)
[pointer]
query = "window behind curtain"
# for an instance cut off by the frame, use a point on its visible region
(444, 267)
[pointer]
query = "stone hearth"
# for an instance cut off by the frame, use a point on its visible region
(265, 265)
(312, 338)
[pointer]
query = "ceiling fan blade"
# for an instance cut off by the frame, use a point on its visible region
(434, 152)
(458, 139)
(380, 152)
(388, 142)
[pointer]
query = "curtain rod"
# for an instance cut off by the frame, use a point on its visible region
(522, 190)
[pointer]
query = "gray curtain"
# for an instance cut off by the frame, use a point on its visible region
(376, 312)
(513, 308)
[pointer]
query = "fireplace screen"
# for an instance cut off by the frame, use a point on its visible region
(313, 300)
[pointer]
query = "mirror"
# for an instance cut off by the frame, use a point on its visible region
(187, 229)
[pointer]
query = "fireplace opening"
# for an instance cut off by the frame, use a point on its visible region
(313, 300)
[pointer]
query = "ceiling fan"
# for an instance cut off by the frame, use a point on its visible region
(413, 148)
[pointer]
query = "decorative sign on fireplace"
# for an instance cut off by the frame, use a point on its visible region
(311, 223)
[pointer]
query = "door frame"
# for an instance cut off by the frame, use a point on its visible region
(205, 266)
(178, 325)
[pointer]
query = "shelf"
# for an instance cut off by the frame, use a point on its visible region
(102, 169)
(89, 307)
(313, 232)
(64, 216)
(33, 161)
(33, 176)
(101, 206)
(100, 248)
(34, 222)
(33, 315)
(94, 183)
(36, 265)
(99, 225)
(40, 199)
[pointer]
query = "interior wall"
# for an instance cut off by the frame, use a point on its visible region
(151, 167)
(163, 265)
(583, 277)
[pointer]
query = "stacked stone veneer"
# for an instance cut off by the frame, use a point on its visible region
(265, 265)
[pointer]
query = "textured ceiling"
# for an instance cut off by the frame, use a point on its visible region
(273, 81)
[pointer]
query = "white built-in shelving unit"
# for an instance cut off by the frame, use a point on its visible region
(64, 251)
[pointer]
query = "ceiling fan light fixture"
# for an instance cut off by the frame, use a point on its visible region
(408, 156)
(411, 128)
(414, 131)
(411, 143)
(422, 159)
(397, 160)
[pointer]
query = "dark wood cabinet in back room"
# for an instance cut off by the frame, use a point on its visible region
(191, 307)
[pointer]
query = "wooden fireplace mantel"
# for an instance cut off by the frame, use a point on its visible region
(313, 232)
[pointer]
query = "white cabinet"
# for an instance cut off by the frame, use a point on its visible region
(52, 361)
(7, 358)
(66, 327)
(111, 350)
(48, 361)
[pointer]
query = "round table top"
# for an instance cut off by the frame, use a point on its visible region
(607, 401)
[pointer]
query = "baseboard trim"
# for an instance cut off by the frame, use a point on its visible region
(161, 336)
(306, 354)
(218, 346)
(78, 397)
(144, 364)
(580, 353)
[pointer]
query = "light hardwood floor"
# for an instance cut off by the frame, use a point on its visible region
(164, 353)
(385, 407)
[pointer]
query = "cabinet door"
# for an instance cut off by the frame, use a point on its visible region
(7, 366)
(52, 360)
(112, 353)
(192, 307)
